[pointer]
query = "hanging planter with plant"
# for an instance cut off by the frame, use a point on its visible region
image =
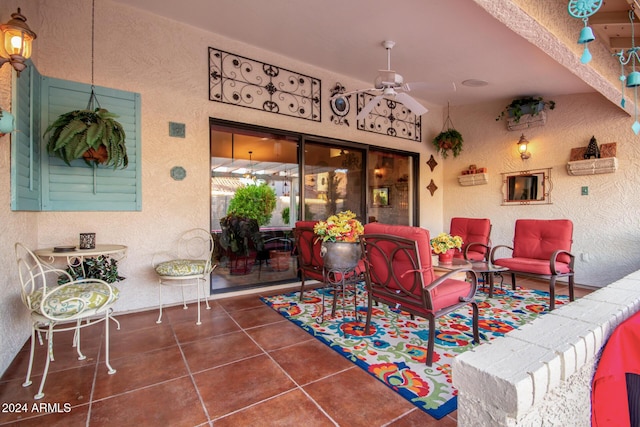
(91, 134)
(449, 139)
(527, 105)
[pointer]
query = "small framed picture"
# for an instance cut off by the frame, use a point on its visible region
(380, 196)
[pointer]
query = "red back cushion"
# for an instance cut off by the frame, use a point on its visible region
(471, 230)
(306, 244)
(420, 235)
(539, 238)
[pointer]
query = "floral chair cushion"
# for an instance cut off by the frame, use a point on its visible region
(181, 267)
(69, 300)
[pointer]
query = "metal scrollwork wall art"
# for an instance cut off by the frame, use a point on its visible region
(236, 80)
(391, 118)
(340, 105)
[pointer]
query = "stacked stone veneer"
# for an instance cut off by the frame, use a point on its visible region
(540, 374)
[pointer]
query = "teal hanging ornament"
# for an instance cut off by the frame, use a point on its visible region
(583, 9)
(632, 80)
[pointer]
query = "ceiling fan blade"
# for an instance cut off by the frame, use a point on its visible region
(415, 107)
(370, 106)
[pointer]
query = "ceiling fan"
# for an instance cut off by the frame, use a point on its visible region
(389, 84)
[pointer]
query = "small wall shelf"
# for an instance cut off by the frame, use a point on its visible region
(527, 121)
(473, 179)
(592, 166)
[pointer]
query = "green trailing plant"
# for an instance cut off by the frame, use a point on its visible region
(100, 267)
(448, 140)
(527, 105)
(90, 134)
(256, 201)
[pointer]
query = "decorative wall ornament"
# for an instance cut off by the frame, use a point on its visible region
(236, 80)
(340, 105)
(389, 117)
(583, 9)
(432, 163)
(432, 187)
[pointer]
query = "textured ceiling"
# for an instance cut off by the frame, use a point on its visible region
(437, 41)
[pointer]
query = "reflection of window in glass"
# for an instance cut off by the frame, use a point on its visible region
(390, 177)
(333, 181)
(242, 157)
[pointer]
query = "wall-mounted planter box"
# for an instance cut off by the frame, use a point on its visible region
(473, 179)
(527, 121)
(592, 166)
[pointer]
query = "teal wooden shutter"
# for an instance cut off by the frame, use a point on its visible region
(82, 187)
(25, 142)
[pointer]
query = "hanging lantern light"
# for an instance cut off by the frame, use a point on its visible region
(16, 41)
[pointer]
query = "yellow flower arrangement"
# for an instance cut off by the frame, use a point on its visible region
(444, 241)
(342, 227)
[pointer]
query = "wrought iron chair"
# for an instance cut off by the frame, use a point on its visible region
(541, 249)
(55, 308)
(399, 274)
(188, 264)
(475, 233)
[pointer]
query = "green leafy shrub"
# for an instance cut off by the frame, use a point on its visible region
(256, 201)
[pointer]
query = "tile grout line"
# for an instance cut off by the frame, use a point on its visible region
(297, 386)
(190, 374)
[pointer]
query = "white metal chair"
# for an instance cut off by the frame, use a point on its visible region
(56, 308)
(187, 265)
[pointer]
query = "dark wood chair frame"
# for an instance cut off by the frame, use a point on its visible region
(416, 299)
(550, 277)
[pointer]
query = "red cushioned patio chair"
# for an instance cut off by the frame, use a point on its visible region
(399, 274)
(475, 233)
(541, 249)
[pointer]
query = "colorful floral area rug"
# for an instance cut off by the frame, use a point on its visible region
(395, 351)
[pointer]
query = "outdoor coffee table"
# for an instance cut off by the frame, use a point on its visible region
(488, 271)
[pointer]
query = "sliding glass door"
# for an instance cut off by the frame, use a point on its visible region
(307, 178)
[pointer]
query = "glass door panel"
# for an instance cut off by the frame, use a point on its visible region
(241, 158)
(333, 181)
(391, 181)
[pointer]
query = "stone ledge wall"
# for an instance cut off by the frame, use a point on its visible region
(541, 373)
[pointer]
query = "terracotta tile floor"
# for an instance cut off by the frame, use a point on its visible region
(244, 366)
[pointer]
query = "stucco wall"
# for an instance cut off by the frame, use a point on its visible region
(606, 224)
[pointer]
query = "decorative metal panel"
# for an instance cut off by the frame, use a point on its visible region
(236, 80)
(391, 118)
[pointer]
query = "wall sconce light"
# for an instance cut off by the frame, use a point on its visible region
(377, 172)
(16, 42)
(522, 148)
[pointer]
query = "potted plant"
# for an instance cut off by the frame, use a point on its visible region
(444, 245)
(255, 201)
(90, 134)
(340, 235)
(101, 267)
(528, 105)
(250, 207)
(446, 140)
